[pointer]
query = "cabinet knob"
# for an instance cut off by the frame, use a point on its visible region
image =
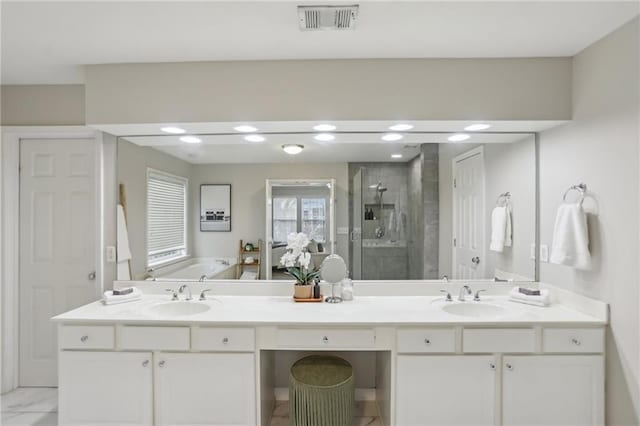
(492, 366)
(509, 366)
(161, 363)
(84, 338)
(325, 339)
(225, 340)
(145, 362)
(427, 341)
(576, 342)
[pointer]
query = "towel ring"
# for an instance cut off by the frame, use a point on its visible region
(581, 188)
(505, 196)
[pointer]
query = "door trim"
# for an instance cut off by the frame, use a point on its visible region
(9, 232)
(454, 166)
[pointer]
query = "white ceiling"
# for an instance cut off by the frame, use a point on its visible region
(350, 147)
(48, 42)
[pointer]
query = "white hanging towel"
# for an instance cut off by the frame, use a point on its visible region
(123, 250)
(500, 228)
(571, 238)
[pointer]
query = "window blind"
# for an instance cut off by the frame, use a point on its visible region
(166, 216)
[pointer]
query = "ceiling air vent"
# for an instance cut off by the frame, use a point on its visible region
(326, 18)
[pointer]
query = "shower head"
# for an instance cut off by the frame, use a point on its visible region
(378, 187)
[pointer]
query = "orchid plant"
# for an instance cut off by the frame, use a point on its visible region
(297, 259)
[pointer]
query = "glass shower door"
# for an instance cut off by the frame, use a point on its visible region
(356, 230)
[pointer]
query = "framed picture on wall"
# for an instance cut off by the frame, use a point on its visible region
(215, 207)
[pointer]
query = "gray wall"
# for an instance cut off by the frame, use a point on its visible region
(133, 161)
(600, 148)
(42, 105)
(357, 89)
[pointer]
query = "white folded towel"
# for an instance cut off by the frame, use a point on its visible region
(543, 300)
(500, 228)
(108, 298)
(571, 238)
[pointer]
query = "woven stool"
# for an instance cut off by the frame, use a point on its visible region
(321, 392)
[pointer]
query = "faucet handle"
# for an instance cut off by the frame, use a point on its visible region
(175, 295)
(448, 296)
(476, 298)
(202, 296)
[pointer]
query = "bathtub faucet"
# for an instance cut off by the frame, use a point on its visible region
(223, 261)
(202, 278)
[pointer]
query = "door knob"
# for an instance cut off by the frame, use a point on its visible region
(475, 260)
(92, 275)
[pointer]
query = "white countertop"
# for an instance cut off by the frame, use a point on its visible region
(363, 311)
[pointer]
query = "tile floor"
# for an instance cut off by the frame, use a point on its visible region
(366, 414)
(30, 407)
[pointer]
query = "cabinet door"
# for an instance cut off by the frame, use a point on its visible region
(445, 390)
(205, 389)
(105, 388)
(553, 390)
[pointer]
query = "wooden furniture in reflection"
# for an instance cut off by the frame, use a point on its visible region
(243, 254)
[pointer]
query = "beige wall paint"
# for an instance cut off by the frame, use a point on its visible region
(508, 167)
(600, 147)
(133, 161)
(248, 201)
(42, 105)
(358, 89)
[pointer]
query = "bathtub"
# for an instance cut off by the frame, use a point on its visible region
(212, 268)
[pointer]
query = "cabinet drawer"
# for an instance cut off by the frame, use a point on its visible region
(489, 340)
(154, 338)
(223, 339)
(325, 338)
(426, 340)
(86, 337)
(576, 340)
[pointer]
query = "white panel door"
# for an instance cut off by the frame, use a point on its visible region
(58, 250)
(445, 390)
(468, 217)
(106, 388)
(205, 389)
(553, 390)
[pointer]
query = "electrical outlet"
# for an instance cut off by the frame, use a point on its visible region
(110, 254)
(544, 253)
(532, 251)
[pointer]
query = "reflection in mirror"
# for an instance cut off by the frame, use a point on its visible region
(414, 209)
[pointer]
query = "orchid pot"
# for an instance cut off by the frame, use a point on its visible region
(297, 260)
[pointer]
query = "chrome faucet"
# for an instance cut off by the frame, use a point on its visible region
(202, 278)
(184, 287)
(222, 261)
(464, 289)
(445, 278)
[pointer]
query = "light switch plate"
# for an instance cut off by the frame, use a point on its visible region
(532, 251)
(110, 254)
(544, 253)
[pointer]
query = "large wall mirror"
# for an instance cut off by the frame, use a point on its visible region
(418, 208)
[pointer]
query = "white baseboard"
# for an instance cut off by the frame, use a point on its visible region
(362, 394)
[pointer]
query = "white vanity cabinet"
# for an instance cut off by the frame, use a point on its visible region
(105, 388)
(553, 390)
(445, 390)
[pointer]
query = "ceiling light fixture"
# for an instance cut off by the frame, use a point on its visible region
(396, 155)
(401, 127)
(292, 149)
(324, 127)
(392, 137)
(458, 137)
(190, 139)
(245, 129)
(254, 138)
(173, 130)
(324, 137)
(477, 127)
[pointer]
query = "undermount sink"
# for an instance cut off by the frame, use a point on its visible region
(474, 309)
(176, 309)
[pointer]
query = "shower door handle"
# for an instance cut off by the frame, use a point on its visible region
(475, 260)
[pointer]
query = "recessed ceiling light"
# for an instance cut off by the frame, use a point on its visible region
(245, 128)
(401, 127)
(391, 137)
(292, 149)
(324, 127)
(324, 137)
(396, 155)
(190, 139)
(458, 137)
(254, 138)
(173, 130)
(477, 127)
